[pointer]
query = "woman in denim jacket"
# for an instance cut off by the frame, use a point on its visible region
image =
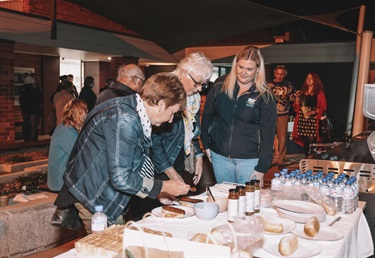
(110, 161)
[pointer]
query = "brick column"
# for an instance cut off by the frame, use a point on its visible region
(7, 132)
(116, 62)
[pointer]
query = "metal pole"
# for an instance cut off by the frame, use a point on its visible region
(53, 21)
(363, 72)
(353, 88)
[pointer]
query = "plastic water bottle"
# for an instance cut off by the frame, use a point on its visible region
(98, 220)
(304, 179)
(347, 199)
(275, 186)
(293, 178)
(288, 181)
(336, 194)
(315, 181)
(282, 176)
(298, 180)
(355, 187)
(324, 188)
(309, 181)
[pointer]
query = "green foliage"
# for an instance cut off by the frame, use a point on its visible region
(26, 184)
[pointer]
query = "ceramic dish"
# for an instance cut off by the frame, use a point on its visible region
(188, 212)
(325, 234)
(305, 249)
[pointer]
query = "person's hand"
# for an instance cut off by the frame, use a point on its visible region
(173, 175)
(208, 154)
(198, 170)
(175, 188)
(166, 198)
(257, 175)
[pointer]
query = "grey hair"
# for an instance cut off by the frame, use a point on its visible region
(197, 64)
(129, 71)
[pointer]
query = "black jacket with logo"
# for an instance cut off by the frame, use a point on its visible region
(243, 127)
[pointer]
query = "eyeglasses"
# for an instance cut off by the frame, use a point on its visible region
(204, 85)
(143, 81)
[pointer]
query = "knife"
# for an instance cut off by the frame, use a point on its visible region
(333, 222)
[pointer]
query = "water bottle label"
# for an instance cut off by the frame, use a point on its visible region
(98, 224)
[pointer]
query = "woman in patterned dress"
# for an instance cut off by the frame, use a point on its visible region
(310, 106)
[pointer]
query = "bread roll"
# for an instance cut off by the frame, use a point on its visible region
(189, 202)
(202, 238)
(273, 226)
(288, 245)
(172, 212)
(312, 227)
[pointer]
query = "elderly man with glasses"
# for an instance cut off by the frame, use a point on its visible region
(284, 92)
(130, 79)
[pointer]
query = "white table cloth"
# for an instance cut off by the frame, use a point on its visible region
(357, 241)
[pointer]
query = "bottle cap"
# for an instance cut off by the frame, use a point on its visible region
(98, 208)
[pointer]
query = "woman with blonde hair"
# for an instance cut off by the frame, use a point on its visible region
(239, 120)
(62, 141)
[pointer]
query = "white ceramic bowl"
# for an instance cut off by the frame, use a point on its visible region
(221, 201)
(206, 210)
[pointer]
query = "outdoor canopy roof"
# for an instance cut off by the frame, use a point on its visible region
(178, 24)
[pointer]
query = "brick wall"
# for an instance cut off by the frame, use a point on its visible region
(7, 132)
(66, 11)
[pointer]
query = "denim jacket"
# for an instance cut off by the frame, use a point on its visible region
(108, 154)
(167, 142)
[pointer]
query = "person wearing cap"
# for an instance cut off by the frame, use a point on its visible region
(30, 103)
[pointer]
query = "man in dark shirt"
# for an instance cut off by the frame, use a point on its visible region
(130, 79)
(87, 94)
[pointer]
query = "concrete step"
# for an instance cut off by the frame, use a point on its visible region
(10, 168)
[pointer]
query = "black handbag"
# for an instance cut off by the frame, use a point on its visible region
(67, 217)
(326, 130)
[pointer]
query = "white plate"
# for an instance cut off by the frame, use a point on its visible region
(288, 225)
(188, 212)
(299, 211)
(299, 206)
(325, 234)
(305, 249)
(300, 217)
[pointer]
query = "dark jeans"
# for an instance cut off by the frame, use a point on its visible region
(30, 127)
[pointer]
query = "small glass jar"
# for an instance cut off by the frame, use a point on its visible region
(257, 196)
(250, 194)
(241, 201)
(233, 199)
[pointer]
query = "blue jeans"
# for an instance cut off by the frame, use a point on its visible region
(232, 170)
